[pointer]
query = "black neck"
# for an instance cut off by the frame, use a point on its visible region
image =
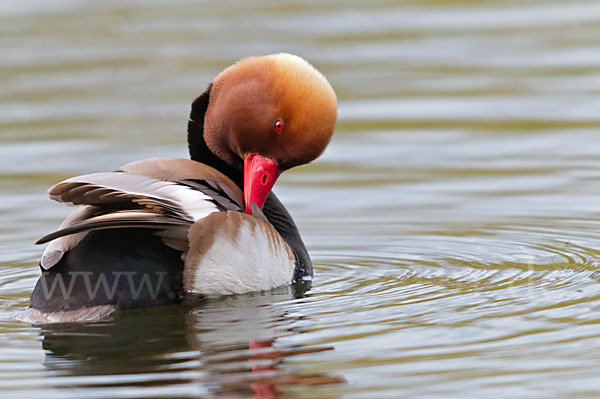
(199, 151)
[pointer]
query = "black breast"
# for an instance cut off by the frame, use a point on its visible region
(284, 224)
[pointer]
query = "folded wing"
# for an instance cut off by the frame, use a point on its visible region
(166, 195)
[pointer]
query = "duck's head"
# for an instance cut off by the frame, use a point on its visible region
(264, 115)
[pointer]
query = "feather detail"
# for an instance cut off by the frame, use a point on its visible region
(57, 248)
(124, 190)
(175, 237)
(113, 220)
(178, 170)
(221, 194)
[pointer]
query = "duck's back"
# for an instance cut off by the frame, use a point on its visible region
(153, 230)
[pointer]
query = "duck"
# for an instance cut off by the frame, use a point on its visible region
(157, 231)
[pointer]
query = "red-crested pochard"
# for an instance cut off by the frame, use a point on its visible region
(156, 231)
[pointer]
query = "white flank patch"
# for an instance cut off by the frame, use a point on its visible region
(254, 259)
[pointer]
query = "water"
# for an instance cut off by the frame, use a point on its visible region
(454, 220)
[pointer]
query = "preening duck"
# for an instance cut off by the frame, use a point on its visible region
(157, 230)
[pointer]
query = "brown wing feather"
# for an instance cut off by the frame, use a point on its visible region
(119, 219)
(164, 194)
(120, 190)
(176, 169)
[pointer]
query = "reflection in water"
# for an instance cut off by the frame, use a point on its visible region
(220, 347)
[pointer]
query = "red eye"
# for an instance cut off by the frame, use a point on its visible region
(278, 125)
